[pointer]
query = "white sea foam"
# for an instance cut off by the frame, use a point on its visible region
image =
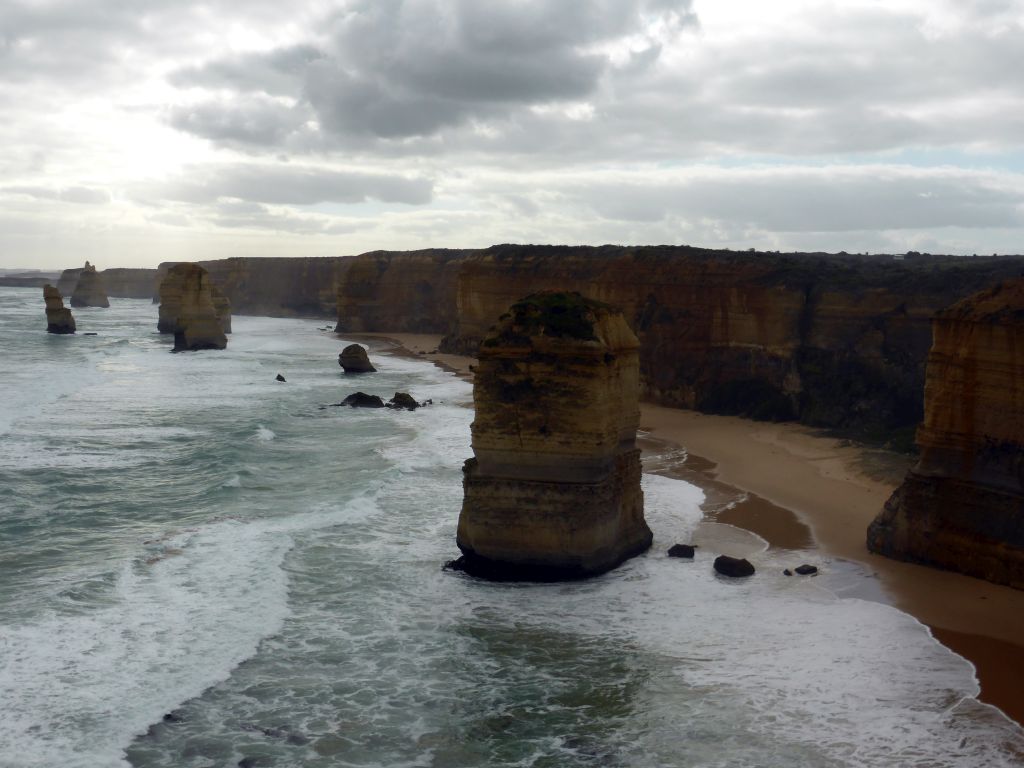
(264, 435)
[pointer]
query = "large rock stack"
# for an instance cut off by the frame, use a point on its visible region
(962, 506)
(58, 317)
(554, 489)
(188, 309)
(89, 290)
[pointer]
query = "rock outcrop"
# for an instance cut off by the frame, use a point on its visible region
(961, 507)
(354, 359)
(58, 317)
(187, 309)
(553, 491)
(118, 282)
(89, 290)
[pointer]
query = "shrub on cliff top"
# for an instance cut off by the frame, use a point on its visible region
(549, 313)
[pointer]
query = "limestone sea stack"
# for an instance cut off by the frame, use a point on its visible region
(961, 507)
(89, 291)
(188, 311)
(58, 317)
(553, 491)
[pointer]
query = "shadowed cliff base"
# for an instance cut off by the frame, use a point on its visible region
(961, 507)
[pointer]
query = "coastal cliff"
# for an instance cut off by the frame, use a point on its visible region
(275, 287)
(962, 506)
(553, 490)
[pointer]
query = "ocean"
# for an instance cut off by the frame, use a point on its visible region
(201, 566)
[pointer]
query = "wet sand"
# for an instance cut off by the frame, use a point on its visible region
(800, 490)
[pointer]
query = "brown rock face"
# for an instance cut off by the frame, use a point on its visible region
(554, 489)
(354, 359)
(188, 311)
(962, 506)
(89, 291)
(58, 317)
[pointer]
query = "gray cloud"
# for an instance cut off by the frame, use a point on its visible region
(253, 120)
(293, 185)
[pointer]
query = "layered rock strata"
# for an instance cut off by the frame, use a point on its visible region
(553, 490)
(187, 309)
(58, 317)
(89, 290)
(118, 282)
(833, 340)
(961, 507)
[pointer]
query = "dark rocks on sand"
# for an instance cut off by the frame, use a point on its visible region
(737, 567)
(354, 359)
(363, 400)
(280, 378)
(403, 400)
(58, 317)
(681, 550)
(806, 570)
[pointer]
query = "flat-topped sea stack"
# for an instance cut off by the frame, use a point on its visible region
(962, 506)
(188, 309)
(89, 290)
(58, 317)
(554, 489)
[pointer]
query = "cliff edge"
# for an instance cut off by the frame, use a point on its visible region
(961, 507)
(553, 491)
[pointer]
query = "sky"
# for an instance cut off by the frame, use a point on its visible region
(139, 131)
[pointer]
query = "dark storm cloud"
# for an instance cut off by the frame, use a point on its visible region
(291, 185)
(396, 69)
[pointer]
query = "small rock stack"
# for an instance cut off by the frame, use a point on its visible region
(554, 489)
(188, 310)
(58, 317)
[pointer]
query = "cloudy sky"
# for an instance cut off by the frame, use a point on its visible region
(135, 131)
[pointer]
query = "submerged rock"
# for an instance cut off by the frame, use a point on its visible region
(362, 400)
(354, 359)
(187, 309)
(961, 507)
(89, 291)
(58, 317)
(553, 491)
(806, 570)
(736, 567)
(280, 378)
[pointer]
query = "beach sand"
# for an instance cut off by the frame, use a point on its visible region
(807, 491)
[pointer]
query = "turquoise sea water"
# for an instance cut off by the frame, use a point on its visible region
(200, 565)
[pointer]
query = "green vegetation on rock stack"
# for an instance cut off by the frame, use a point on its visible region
(554, 314)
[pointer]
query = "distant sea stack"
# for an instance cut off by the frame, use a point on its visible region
(58, 317)
(554, 489)
(188, 309)
(89, 291)
(962, 506)
(354, 359)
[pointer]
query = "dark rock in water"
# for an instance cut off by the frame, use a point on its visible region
(806, 570)
(363, 400)
(280, 378)
(403, 400)
(787, 572)
(248, 762)
(681, 550)
(496, 570)
(58, 317)
(173, 717)
(736, 567)
(91, 333)
(89, 292)
(353, 359)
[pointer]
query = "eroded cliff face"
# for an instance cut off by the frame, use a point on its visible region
(188, 310)
(89, 290)
(962, 506)
(554, 488)
(58, 317)
(411, 292)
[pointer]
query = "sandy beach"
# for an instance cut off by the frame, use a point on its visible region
(807, 491)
